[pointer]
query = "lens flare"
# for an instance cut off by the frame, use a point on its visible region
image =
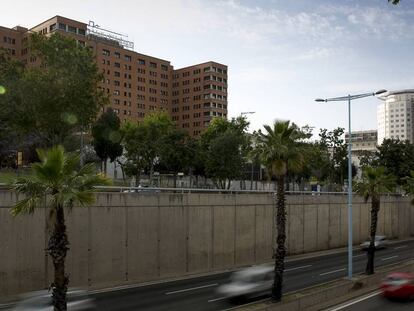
(69, 118)
(114, 136)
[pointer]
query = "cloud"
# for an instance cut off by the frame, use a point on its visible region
(315, 53)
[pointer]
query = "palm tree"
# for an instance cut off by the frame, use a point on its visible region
(280, 151)
(374, 181)
(57, 184)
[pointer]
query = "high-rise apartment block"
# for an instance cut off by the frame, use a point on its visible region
(137, 84)
(394, 116)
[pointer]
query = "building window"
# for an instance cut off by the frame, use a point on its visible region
(81, 32)
(106, 52)
(62, 26)
(52, 27)
(141, 62)
(117, 65)
(128, 58)
(153, 65)
(164, 67)
(71, 29)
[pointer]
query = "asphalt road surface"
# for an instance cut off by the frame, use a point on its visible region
(199, 293)
(375, 302)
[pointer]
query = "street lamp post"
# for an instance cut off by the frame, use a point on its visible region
(348, 99)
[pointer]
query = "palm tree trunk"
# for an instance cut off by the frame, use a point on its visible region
(138, 178)
(375, 207)
(281, 238)
(151, 172)
(57, 249)
(105, 161)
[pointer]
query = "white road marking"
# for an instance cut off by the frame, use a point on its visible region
(356, 256)
(399, 247)
(193, 288)
(390, 257)
(297, 268)
(355, 301)
(220, 298)
(329, 272)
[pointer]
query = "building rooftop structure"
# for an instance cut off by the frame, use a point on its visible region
(137, 84)
(394, 115)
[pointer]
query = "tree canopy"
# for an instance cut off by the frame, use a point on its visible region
(225, 147)
(143, 143)
(107, 137)
(397, 157)
(56, 94)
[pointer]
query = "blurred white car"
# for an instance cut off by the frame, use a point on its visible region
(248, 283)
(78, 300)
(381, 241)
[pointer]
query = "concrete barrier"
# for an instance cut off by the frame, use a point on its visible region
(129, 238)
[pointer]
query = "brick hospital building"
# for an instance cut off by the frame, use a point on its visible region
(137, 84)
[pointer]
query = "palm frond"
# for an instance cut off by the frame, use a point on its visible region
(375, 181)
(279, 147)
(26, 206)
(58, 181)
(71, 162)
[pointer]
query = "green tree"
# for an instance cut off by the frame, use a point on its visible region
(394, 1)
(317, 163)
(176, 152)
(409, 185)
(143, 143)
(106, 137)
(375, 181)
(281, 151)
(10, 74)
(56, 97)
(58, 185)
(334, 144)
(397, 157)
(368, 159)
(225, 147)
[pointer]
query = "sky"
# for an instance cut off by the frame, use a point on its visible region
(281, 54)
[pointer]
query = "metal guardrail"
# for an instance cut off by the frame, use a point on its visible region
(124, 189)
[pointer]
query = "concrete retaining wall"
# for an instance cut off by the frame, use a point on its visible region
(128, 238)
